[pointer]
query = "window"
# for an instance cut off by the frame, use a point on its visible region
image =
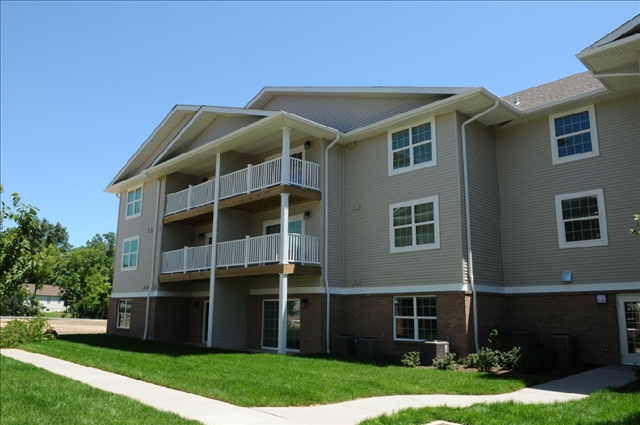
(270, 324)
(581, 219)
(414, 225)
(412, 148)
(134, 203)
(130, 253)
(296, 225)
(573, 136)
(124, 314)
(414, 318)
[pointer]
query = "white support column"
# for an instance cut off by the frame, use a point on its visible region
(286, 153)
(282, 314)
(214, 249)
(284, 228)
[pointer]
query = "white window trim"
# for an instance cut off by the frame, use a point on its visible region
(262, 346)
(411, 167)
(126, 203)
(562, 241)
(298, 217)
(415, 316)
(297, 149)
(436, 222)
(118, 314)
(122, 254)
(555, 159)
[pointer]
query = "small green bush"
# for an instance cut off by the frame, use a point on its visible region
(510, 359)
(18, 332)
(448, 362)
(410, 359)
(487, 359)
(498, 337)
(471, 361)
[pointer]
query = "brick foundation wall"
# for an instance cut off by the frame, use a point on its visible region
(138, 311)
(170, 319)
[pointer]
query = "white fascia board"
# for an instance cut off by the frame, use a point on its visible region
(565, 287)
(613, 36)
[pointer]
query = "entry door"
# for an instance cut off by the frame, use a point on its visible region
(629, 324)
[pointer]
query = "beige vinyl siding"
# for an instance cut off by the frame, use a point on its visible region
(484, 201)
(230, 314)
(346, 113)
(272, 282)
(142, 226)
(221, 126)
(529, 183)
(335, 215)
(369, 191)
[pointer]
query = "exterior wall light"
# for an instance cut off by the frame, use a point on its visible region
(307, 145)
(567, 276)
(306, 215)
(304, 302)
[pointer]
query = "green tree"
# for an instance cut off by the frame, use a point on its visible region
(48, 233)
(19, 259)
(636, 231)
(85, 275)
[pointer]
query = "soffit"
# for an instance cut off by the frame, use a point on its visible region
(619, 57)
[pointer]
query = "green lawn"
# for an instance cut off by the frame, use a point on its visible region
(247, 379)
(606, 407)
(29, 395)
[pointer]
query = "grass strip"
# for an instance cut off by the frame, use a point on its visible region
(252, 379)
(29, 395)
(605, 407)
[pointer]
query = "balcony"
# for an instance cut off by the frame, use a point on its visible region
(303, 174)
(233, 258)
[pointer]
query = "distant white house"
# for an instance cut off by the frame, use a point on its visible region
(49, 297)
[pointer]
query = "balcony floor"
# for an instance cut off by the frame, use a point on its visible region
(271, 269)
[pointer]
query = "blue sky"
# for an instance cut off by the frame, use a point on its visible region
(83, 84)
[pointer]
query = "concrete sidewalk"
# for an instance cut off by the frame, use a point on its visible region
(213, 412)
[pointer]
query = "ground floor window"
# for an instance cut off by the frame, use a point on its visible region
(124, 314)
(415, 318)
(270, 324)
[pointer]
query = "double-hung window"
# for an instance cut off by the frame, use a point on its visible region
(130, 248)
(413, 147)
(124, 314)
(414, 225)
(134, 203)
(573, 136)
(414, 318)
(581, 219)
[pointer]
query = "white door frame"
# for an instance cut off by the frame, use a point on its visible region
(626, 357)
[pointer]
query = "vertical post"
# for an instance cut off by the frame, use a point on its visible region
(286, 148)
(184, 259)
(214, 250)
(284, 228)
(189, 197)
(249, 177)
(246, 250)
(282, 314)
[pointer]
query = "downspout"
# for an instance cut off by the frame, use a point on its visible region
(153, 257)
(326, 237)
(468, 223)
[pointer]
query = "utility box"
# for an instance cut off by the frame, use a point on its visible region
(344, 344)
(566, 349)
(432, 349)
(371, 348)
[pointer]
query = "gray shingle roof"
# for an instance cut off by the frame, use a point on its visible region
(564, 88)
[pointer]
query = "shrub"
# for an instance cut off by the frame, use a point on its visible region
(410, 359)
(448, 362)
(636, 372)
(471, 361)
(498, 337)
(18, 332)
(487, 359)
(511, 358)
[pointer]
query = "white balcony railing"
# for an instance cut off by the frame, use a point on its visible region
(253, 178)
(243, 253)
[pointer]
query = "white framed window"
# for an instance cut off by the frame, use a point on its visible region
(415, 318)
(296, 225)
(581, 219)
(130, 248)
(124, 314)
(134, 203)
(573, 135)
(412, 148)
(297, 152)
(270, 324)
(414, 225)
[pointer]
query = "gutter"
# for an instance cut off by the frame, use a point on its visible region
(326, 237)
(153, 257)
(468, 222)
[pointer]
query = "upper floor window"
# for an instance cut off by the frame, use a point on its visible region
(130, 248)
(415, 318)
(414, 225)
(581, 219)
(574, 136)
(413, 147)
(134, 203)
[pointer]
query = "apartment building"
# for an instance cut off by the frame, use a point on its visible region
(412, 214)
